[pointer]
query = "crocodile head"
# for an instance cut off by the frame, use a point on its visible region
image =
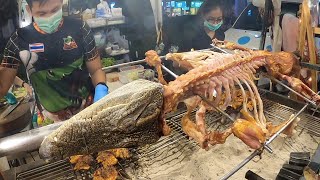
(126, 117)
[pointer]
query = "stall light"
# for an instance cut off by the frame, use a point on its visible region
(173, 4)
(178, 5)
(112, 4)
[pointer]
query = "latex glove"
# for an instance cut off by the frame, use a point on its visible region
(100, 92)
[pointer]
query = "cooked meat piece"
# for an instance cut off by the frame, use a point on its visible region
(154, 60)
(249, 132)
(301, 88)
(124, 118)
(106, 158)
(81, 162)
(281, 63)
(122, 153)
(75, 159)
(105, 173)
(193, 131)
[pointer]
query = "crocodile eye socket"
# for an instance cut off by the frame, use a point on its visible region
(50, 73)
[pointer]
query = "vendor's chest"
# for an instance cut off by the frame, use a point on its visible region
(55, 50)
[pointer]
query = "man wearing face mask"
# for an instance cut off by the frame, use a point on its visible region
(199, 34)
(59, 55)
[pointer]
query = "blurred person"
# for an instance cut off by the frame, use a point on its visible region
(207, 26)
(284, 26)
(61, 59)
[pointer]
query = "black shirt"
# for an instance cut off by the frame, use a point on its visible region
(59, 75)
(195, 37)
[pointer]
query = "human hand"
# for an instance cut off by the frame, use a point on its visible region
(100, 91)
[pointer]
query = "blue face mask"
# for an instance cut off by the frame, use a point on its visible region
(212, 27)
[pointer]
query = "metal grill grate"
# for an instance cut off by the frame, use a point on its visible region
(57, 170)
(169, 152)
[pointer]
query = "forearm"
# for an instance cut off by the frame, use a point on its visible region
(98, 77)
(17, 81)
(3, 91)
(6, 79)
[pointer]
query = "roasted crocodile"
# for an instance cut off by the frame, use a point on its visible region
(126, 117)
(226, 74)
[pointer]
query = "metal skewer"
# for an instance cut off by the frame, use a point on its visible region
(169, 71)
(217, 108)
(222, 50)
(295, 92)
(123, 64)
(257, 152)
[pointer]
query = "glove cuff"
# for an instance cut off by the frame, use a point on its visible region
(102, 84)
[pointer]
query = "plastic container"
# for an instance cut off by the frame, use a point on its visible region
(97, 22)
(130, 73)
(112, 77)
(127, 68)
(99, 39)
(116, 12)
(147, 74)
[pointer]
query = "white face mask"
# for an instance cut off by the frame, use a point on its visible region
(49, 24)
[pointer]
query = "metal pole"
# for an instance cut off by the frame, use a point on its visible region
(217, 108)
(123, 64)
(295, 92)
(288, 123)
(169, 71)
(243, 163)
(143, 60)
(222, 50)
(264, 23)
(26, 141)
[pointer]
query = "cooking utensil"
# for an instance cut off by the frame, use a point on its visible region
(310, 66)
(6, 112)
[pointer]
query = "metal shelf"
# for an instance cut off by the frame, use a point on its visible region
(117, 53)
(108, 23)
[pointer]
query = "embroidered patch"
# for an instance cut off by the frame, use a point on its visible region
(36, 47)
(69, 43)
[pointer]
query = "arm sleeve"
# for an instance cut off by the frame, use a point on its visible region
(11, 57)
(290, 32)
(89, 45)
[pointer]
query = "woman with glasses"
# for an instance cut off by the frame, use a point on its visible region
(208, 26)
